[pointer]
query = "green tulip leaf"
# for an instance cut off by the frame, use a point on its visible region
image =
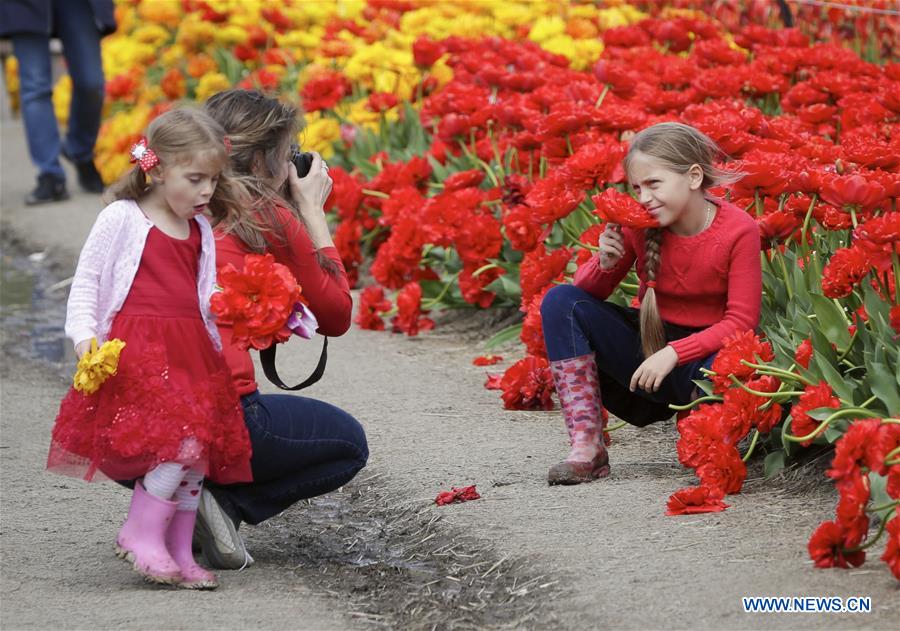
(832, 320)
(506, 335)
(885, 386)
(773, 463)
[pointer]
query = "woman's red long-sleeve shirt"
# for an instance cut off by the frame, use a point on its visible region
(712, 279)
(328, 295)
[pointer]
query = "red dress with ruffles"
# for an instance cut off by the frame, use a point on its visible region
(171, 398)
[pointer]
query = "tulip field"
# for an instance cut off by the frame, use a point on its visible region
(475, 148)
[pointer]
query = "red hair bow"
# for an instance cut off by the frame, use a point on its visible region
(143, 155)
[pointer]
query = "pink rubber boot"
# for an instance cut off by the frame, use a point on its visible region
(178, 541)
(141, 539)
(578, 387)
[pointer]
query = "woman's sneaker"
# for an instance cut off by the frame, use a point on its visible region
(218, 536)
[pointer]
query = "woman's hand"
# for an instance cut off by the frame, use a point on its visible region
(82, 347)
(650, 374)
(309, 194)
(612, 246)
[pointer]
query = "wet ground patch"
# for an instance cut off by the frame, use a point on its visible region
(33, 294)
(398, 565)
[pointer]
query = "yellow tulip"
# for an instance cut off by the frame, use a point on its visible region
(166, 12)
(619, 16)
(195, 34)
(11, 69)
(152, 34)
(547, 28)
(442, 72)
(231, 35)
(173, 56)
(210, 84)
(319, 134)
(97, 365)
(306, 41)
(62, 99)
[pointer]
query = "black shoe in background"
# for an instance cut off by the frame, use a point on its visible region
(50, 188)
(88, 176)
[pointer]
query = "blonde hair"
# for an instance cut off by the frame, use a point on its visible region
(256, 125)
(176, 137)
(678, 147)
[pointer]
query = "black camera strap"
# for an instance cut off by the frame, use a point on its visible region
(267, 359)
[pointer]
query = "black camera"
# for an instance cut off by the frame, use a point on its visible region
(302, 161)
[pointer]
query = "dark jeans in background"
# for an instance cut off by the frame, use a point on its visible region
(301, 448)
(577, 323)
(74, 23)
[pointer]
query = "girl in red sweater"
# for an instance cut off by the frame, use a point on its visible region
(700, 281)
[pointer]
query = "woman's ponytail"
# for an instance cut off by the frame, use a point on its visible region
(653, 336)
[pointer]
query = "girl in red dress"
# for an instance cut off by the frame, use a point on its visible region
(170, 416)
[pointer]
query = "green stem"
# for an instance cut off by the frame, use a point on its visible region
(895, 260)
(760, 393)
(837, 415)
(428, 304)
(778, 372)
(483, 269)
(876, 509)
(871, 542)
(868, 401)
(602, 96)
(616, 426)
(368, 191)
(803, 231)
(765, 406)
(787, 283)
(892, 453)
(752, 446)
(688, 406)
(576, 238)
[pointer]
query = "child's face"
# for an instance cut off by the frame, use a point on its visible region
(662, 191)
(188, 186)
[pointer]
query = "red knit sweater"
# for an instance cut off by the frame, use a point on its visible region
(712, 279)
(329, 296)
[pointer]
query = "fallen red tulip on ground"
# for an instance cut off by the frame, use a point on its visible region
(463, 494)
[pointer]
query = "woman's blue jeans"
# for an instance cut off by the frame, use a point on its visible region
(577, 323)
(74, 23)
(301, 448)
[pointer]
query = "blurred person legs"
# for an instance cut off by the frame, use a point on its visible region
(33, 54)
(74, 22)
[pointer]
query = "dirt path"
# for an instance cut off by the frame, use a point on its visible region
(599, 555)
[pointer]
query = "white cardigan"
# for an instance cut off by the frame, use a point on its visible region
(108, 263)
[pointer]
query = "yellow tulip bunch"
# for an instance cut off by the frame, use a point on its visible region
(97, 365)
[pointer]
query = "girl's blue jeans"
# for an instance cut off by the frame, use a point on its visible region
(301, 448)
(577, 323)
